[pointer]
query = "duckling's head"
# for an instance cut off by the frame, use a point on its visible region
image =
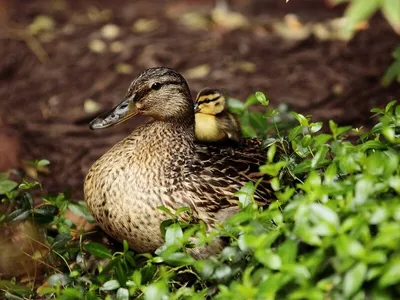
(160, 93)
(210, 102)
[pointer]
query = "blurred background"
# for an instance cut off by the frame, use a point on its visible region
(62, 62)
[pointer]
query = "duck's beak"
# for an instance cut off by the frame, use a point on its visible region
(196, 108)
(122, 112)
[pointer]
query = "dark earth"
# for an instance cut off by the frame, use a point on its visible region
(47, 79)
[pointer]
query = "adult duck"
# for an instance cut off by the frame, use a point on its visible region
(160, 163)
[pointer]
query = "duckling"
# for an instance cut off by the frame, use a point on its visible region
(213, 121)
(159, 163)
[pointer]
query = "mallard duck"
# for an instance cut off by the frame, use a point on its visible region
(159, 163)
(213, 120)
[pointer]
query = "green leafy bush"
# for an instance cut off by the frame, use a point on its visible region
(358, 11)
(393, 72)
(332, 233)
(361, 10)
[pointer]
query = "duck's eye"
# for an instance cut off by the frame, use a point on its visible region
(156, 86)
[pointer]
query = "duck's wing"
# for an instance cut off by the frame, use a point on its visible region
(230, 125)
(219, 171)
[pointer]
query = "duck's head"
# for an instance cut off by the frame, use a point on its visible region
(209, 101)
(160, 93)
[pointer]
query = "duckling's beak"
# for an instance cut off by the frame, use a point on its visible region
(122, 112)
(196, 108)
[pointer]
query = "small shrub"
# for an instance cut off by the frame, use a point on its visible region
(332, 233)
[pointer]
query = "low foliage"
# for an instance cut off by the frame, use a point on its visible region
(360, 10)
(332, 233)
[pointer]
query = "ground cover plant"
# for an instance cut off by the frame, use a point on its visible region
(332, 233)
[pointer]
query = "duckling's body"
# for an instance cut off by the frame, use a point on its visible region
(213, 121)
(159, 164)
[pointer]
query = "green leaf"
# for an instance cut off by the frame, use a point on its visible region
(394, 183)
(122, 294)
(271, 153)
(333, 127)
(15, 288)
(71, 293)
(245, 194)
(325, 214)
(173, 235)
(306, 140)
(389, 108)
(45, 213)
(391, 275)
(364, 188)
(43, 162)
(305, 233)
(81, 210)
(252, 99)
(126, 246)
(301, 119)
(110, 285)
(330, 173)
(262, 98)
(166, 210)
(315, 127)
(287, 251)
(181, 210)
(319, 156)
(222, 272)
(178, 259)
(137, 277)
(353, 279)
(295, 132)
(392, 73)
(321, 139)
(60, 241)
(391, 11)
(58, 279)
(346, 246)
(27, 201)
(7, 186)
(98, 250)
(156, 291)
(18, 215)
(357, 11)
(274, 168)
(268, 258)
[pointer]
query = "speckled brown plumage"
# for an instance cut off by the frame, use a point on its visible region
(160, 164)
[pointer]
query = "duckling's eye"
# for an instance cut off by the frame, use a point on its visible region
(156, 86)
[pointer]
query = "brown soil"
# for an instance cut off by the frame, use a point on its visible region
(44, 100)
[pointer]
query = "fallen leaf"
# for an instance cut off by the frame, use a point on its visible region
(97, 46)
(110, 31)
(292, 21)
(321, 32)
(117, 47)
(228, 19)
(124, 68)
(90, 106)
(245, 66)
(195, 20)
(145, 25)
(40, 24)
(200, 71)
(292, 29)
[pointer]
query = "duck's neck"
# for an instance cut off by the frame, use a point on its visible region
(163, 140)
